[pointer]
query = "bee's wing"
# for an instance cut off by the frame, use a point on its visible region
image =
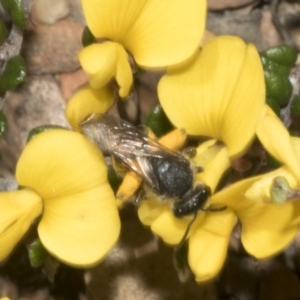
(128, 143)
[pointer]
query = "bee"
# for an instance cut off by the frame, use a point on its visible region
(168, 173)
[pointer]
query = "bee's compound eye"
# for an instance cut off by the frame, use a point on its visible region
(202, 190)
(177, 211)
(192, 202)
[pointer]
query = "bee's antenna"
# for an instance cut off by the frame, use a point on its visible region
(183, 239)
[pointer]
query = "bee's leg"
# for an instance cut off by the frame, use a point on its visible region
(139, 197)
(189, 152)
(183, 239)
(214, 209)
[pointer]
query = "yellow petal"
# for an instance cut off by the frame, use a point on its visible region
(87, 101)
(111, 19)
(18, 211)
(211, 95)
(260, 189)
(208, 244)
(215, 161)
(105, 61)
(150, 209)
(173, 140)
(162, 222)
(80, 221)
(100, 62)
(233, 195)
(207, 150)
(80, 229)
(266, 228)
(296, 145)
(60, 162)
(123, 76)
(157, 33)
(170, 228)
(276, 139)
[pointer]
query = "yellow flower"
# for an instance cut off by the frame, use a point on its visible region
(211, 95)
(221, 94)
(156, 33)
(63, 179)
(267, 228)
(87, 101)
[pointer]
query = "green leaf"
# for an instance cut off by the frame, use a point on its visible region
(87, 37)
(39, 257)
(16, 10)
(3, 124)
(273, 103)
(3, 32)
(278, 87)
(277, 63)
(51, 267)
(37, 253)
(283, 55)
(273, 162)
(13, 75)
(269, 65)
(113, 179)
(35, 131)
(158, 121)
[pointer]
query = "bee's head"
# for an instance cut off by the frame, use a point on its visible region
(192, 202)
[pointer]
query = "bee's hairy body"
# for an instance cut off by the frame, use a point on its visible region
(167, 173)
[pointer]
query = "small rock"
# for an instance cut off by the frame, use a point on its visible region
(8, 289)
(69, 82)
(8, 185)
(36, 295)
(48, 12)
(226, 4)
(132, 287)
(289, 17)
(268, 30)
(240, 23)
(76, 12)
(146, 88)
(37, 102)
(53, 49)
